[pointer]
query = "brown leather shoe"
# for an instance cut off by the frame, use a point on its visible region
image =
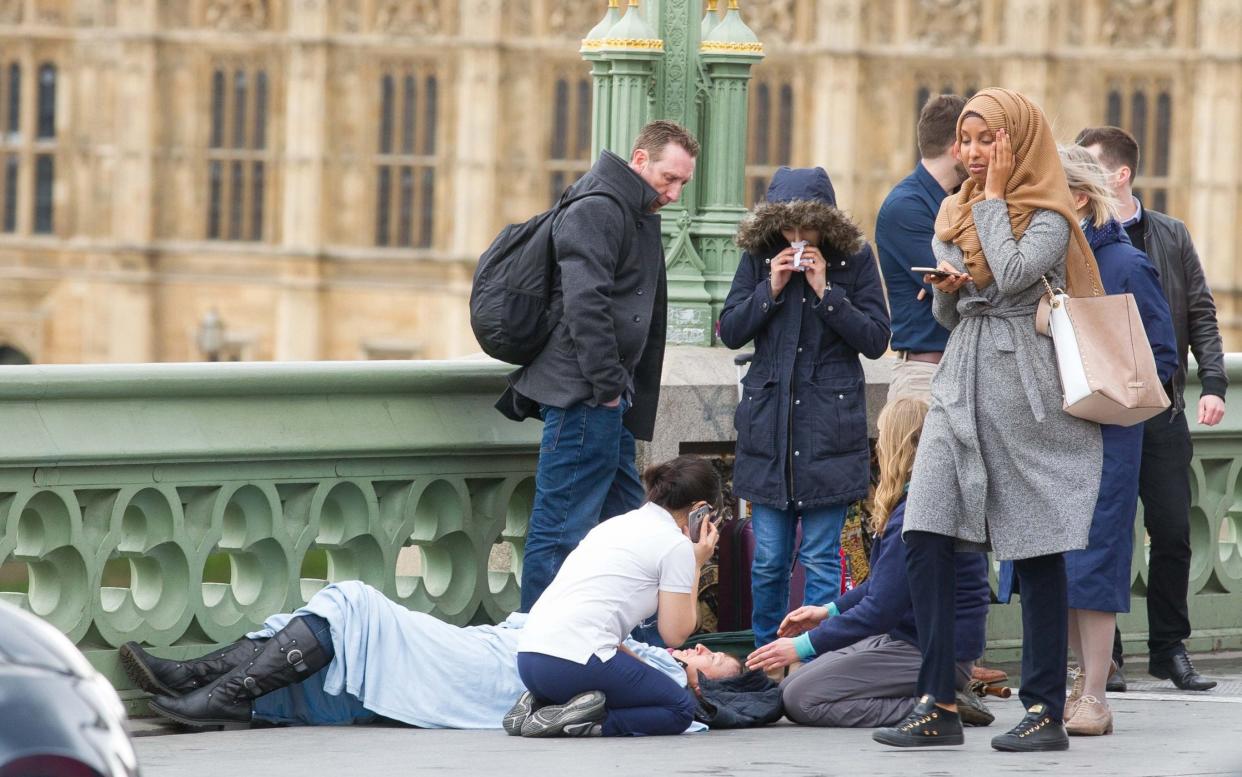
(988, 676)
(1075, 694)
(1092, 718)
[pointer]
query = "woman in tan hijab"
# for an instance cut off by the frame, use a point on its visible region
(1001, 466)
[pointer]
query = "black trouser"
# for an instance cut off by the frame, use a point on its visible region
(1164, 487)
(1045, 620)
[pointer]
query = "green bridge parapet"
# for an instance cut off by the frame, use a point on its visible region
(120, 486)
(178, 504)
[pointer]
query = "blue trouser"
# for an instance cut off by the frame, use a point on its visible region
(1045, 620)
(306, 703)
(640, 700)
(586, 473)
(820, 554)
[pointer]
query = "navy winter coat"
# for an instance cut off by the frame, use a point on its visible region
(802, 421)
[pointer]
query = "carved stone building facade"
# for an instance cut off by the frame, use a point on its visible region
(323, 173)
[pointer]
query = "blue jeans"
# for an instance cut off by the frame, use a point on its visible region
(820, 554)
(640, 700)
(306, 703)
(586, 474)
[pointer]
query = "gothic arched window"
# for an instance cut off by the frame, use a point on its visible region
(236, 153)
(1144, 107)
(406, 158)
(771, 132)
(569, 142)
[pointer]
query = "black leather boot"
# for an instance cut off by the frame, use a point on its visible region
(289, 657)
(163, 677)
(926, 726)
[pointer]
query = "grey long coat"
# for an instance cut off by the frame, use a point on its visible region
(1000, 464)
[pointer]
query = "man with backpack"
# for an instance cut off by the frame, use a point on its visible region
(596, 380)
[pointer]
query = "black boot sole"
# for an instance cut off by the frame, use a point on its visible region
(196, 722)
(141, 674)
(899, 740)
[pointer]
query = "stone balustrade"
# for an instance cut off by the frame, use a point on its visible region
(178, 504)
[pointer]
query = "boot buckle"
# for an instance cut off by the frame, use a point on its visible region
(294, 657)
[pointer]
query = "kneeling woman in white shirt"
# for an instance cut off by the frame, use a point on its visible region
(580, 681)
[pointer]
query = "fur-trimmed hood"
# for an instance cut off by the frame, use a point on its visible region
(801, 197)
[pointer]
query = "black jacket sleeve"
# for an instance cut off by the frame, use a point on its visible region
(1205, 342)
(588, 243)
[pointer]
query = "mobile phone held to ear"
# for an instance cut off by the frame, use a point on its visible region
(934, 271)
(698, 517)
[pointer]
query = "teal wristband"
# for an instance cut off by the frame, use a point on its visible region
(831, 607)
(802, 644)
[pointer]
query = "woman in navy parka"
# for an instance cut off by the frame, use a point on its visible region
(802, 449)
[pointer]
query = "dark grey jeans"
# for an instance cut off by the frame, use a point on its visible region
(866, 685)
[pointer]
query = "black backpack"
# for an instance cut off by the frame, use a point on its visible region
(510, 301)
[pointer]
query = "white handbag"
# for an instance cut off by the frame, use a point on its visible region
(1108, 373)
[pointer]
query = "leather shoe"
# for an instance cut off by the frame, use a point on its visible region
(1116, 681)
(926, 726)
(1181, 671)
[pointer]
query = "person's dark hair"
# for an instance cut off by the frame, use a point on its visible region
(657, 134)
(678, 483)
(1117, 147)
(938, 124)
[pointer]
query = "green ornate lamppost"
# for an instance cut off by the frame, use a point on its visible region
(660, 59)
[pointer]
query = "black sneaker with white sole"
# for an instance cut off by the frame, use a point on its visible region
(554, 719)
(518, 714)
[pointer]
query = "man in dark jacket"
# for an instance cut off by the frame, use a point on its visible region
(904, 230)
(596, 383)
(1164, 475)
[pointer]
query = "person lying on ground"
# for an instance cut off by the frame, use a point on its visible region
(351, 655)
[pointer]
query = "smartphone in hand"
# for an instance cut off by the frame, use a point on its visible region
(934, 271)
(697, 518)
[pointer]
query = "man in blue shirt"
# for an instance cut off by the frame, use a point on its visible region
(903, 234)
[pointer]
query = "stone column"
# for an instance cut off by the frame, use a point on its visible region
(1215, 192)
(298, 305)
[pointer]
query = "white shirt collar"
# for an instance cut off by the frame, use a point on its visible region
(1138, 213)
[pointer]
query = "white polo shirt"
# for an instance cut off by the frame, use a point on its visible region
(608, 585)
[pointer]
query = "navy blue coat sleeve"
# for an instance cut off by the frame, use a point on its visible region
(749, 306)
(1144, 284)
(886, 602)
(861, 319)
(852, 596)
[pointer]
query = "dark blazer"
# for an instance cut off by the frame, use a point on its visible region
(802, 420)
(1168, 244)
(613, 308)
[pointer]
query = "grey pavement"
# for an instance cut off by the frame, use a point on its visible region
(1160, 732)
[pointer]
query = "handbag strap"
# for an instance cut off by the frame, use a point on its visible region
(1082, 279)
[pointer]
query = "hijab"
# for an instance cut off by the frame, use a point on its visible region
(1037, 183)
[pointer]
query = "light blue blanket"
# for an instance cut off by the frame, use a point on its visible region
(409, 666)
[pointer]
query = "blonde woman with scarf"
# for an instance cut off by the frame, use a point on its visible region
(1000, 466)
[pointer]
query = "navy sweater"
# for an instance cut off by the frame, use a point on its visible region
(882, 604)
